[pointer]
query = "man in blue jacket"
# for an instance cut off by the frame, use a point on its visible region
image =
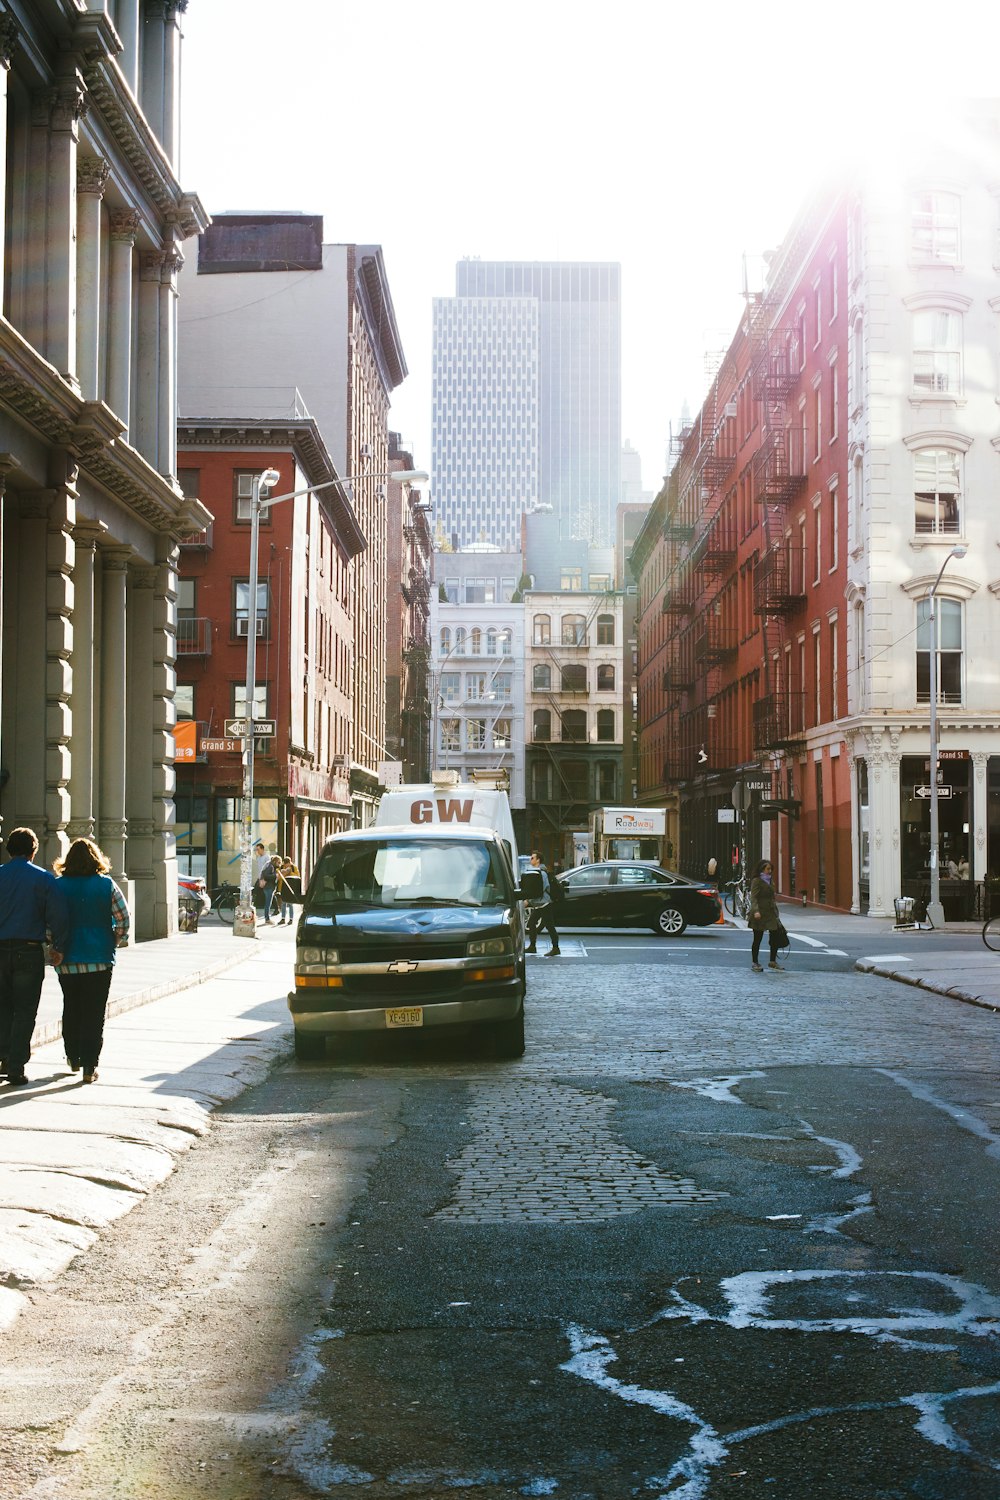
(32, 912)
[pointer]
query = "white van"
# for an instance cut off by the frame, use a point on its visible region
(479, 804)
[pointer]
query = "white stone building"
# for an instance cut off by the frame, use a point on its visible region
(94, 222)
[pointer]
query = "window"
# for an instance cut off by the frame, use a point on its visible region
(937, 352)
(491, 643)
(834, 402)
(184, 700)
(476, 686)
(501, 735)
(606, 724)
(541, 725)
(607, 780)
(186, 598)
(948, 623)
(834, 657)
(542, 630)
(475, 734)
(444, 641)
(541, 782)
(241, 609)
(190, 482)
(460, 636)
(239, 700)
(600, 583)
(476, 642)
(508, 586)
(574, 725)
(605, 679)
(503, 686)
(451, 687)
(605, 630)
(571, 580)
(450, 734)
(574, 678)
(936, 226)
(833, 528)
(507, 643)
(818, 418)
(451, 590)
(576, 780)
(243, 487)
(541, 677)
(937, 488)
(480, 590)
(817, 539)
(818, 310)
(574, 630)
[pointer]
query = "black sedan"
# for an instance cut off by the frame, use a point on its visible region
(619, 894)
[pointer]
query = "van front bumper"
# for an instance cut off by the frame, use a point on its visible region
(471, 1011)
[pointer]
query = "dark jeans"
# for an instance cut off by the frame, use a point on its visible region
(268, 895)
(22, 969)
(539, 917)
(772, 939)
(85, 1001)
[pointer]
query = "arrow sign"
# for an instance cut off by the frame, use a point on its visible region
(236, 729)
(924, 792)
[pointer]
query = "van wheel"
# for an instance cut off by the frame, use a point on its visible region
(507, 1037)
(670, 922)
(310, 1046)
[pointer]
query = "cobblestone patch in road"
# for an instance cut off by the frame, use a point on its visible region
(548, 1154)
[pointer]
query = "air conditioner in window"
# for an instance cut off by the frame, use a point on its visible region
(241, 626)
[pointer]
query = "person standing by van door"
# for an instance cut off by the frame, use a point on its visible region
(542, 913)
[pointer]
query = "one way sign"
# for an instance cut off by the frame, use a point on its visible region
(924, 792)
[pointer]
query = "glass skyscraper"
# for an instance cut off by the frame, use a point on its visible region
(527, 399)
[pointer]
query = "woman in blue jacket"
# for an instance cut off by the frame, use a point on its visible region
(98, 924)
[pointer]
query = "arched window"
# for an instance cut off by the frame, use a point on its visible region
(948, 621)
(574, 630)
(605, 679)
(542, 630)
(606, 724)
(541, 725)
(507, 643)
(937, 490)
(541, 677)
(605, 630)
(574, 678)
(491, 643)
(574, 725)
(476, 641)
(460, 639)
(445, 638)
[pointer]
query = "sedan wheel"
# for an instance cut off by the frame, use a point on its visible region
(670, 922)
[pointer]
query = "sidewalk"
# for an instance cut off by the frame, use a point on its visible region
(196, 1019)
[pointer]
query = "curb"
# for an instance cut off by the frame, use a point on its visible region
(916, 982)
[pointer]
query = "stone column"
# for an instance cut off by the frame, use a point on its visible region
(167, 372)
(9, 32)
(124, 223)
(164, 650)
(25, 675)
(7, 462)
(154, 41)
(68, 107)
(979, 814)
(139, 768)
(170, 139)
(127, 26)
(81, 825)
(36, 200)
(91, 179)
(146, 411)
(883, 818)
(59, 637)
(112, 826)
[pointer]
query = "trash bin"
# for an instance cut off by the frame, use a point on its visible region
(188, 913)
(904, 911)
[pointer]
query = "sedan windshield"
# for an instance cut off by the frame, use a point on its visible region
(386, 872)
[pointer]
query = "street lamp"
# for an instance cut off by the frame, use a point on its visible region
(935, 910)
(244, 924)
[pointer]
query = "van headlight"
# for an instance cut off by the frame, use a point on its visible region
(315, 960)
(483, 947)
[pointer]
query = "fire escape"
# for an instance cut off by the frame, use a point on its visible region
(779, 472)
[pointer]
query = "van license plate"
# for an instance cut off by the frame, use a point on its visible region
(410, 1015)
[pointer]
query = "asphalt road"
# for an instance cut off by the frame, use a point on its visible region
(716, 1234)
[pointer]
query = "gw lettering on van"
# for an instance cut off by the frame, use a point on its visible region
(451, 811)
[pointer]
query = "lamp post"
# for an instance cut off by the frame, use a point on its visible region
(244, 924)
(935, 910)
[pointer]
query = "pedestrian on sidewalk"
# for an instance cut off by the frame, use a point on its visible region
(267, 878)
(32, 913)
(541, 912)
(98, 924)
(764, 916)
(287, 871)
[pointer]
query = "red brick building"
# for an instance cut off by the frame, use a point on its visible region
(741, 569)
(305, 654)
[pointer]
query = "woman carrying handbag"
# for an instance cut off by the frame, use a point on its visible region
(764, 917)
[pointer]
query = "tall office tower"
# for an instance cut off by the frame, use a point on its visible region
(572, 373)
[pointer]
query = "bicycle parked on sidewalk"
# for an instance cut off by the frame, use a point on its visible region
(737, 898)
(225, 900)
(991, 933)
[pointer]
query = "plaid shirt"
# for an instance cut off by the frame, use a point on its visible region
(120, 924)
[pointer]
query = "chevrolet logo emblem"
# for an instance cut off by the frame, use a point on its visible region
(401, 966)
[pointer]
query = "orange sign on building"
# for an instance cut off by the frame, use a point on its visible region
(185, 739)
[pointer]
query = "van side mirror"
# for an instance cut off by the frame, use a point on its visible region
(532, 886)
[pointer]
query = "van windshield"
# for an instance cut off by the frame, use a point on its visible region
(410, 872)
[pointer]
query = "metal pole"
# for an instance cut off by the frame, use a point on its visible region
(245, 923)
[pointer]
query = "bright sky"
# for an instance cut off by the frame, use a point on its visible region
(669, 138)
